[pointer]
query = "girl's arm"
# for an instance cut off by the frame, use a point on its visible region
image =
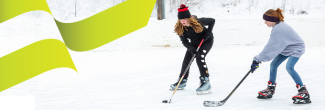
(185, 42)
(209, 22)
(275, 46)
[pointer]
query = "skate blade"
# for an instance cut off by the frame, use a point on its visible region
(203, 92)
(263, 97)
(301, 101)
(177, 89)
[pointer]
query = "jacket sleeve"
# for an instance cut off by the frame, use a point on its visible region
(209, 22)
(185, 42)
(275, 46)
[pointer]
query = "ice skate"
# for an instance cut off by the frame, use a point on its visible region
(205, 86)
(302, 97)
(268, 92)
(181, 86)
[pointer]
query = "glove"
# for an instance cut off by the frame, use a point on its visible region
(254, 65)
(193, 51)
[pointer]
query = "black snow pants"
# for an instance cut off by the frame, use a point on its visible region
(200, 59)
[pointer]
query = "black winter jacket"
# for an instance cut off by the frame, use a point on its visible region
(195, 38)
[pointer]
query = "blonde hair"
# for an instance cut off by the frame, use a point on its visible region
(275, 13)
(179, 28)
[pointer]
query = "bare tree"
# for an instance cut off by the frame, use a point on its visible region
(174, 4)
(75, 8)
(284, 2)
(250, 4)
(117, 1)
(159, 9)
(256, 3)
(76, 3)
(293, 7)
(97, 3)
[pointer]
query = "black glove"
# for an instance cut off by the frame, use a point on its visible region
(193, 51)
(254, 65)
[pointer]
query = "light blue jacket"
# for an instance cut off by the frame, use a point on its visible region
(283, 40)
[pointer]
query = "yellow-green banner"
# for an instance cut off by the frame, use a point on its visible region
(12, 8)
(84, 35)
(33, 60)
(94, 31)
(106, 26)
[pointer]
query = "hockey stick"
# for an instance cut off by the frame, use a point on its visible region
(220, 103)
(188, 66)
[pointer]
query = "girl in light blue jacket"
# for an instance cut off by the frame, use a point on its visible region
(284, 43)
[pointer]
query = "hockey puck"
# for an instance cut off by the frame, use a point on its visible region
(165, 101)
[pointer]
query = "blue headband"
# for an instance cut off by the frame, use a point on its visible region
(270, 18)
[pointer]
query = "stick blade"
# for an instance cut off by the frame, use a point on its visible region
(213, 103)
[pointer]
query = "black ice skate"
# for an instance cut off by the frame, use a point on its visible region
(302, 97)
(268, 92)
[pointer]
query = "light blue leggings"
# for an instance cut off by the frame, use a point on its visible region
(290, 68)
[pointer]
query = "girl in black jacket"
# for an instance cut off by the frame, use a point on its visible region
(191, 31)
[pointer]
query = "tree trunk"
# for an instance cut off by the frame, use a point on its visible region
(160, 9)
(75, 9)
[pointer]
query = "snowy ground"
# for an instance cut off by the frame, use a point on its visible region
(135, 71)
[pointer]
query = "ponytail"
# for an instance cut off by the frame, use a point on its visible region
(280, 14)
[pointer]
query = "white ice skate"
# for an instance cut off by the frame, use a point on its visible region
(181, 86)
(205, 87)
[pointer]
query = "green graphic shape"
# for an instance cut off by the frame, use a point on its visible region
(94, 31)
(33, 60)
(107, 25)
(13, 8)
(84, 35)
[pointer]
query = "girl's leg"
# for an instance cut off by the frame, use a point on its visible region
(200, 60)
(274, 66)
(269, 91)
(205, 86)
(186, 61)
(290, 68)
(182, 85)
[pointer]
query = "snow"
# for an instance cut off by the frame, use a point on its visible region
(135, 71)
(129, 77)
